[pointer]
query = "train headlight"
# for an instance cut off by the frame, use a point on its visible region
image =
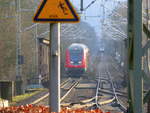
(79, 62)
(71, 62)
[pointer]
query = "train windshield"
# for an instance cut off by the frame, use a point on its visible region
(76, 55)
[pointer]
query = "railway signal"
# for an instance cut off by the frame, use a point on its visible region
(55, 12)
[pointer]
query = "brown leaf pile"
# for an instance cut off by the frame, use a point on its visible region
(42, 109)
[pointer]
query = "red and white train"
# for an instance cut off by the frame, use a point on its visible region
(76, 62)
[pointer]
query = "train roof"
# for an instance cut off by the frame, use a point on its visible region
(77, 45)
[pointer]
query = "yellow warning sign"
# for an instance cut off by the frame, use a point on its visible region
(54, 11)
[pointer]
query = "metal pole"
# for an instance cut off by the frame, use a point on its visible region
(147, 57)
(103, 20)
(39, 57)
(81, 8)
(54, 68)
(36, 53)
(135, 56)
(146, 68)
(19, 89)
(137, 73)
(37, 44)
(130, 54)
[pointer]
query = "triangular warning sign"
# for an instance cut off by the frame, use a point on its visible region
(54, 11)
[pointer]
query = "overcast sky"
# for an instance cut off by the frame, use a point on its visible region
(94, 14)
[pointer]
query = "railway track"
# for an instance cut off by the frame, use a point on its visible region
(121, 106)
(106, 93)
(74, 83)
(68, 85)
(105, 81)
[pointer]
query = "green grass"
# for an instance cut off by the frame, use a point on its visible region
(2, 99)
(19, 98)
(4, 3)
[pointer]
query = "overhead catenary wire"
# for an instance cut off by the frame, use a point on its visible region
(43, 34)
(89, 5)
(114, 12)
(120, 32)
(115, 36)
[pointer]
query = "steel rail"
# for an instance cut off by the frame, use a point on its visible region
(112, 84)
(64, 83)
(71, 88)
(97, 92)
(115, 94)
(40, 99)
(47, 94)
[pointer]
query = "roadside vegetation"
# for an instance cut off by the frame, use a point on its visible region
(24, 96)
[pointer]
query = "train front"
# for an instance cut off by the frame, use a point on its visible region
(76, 63)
